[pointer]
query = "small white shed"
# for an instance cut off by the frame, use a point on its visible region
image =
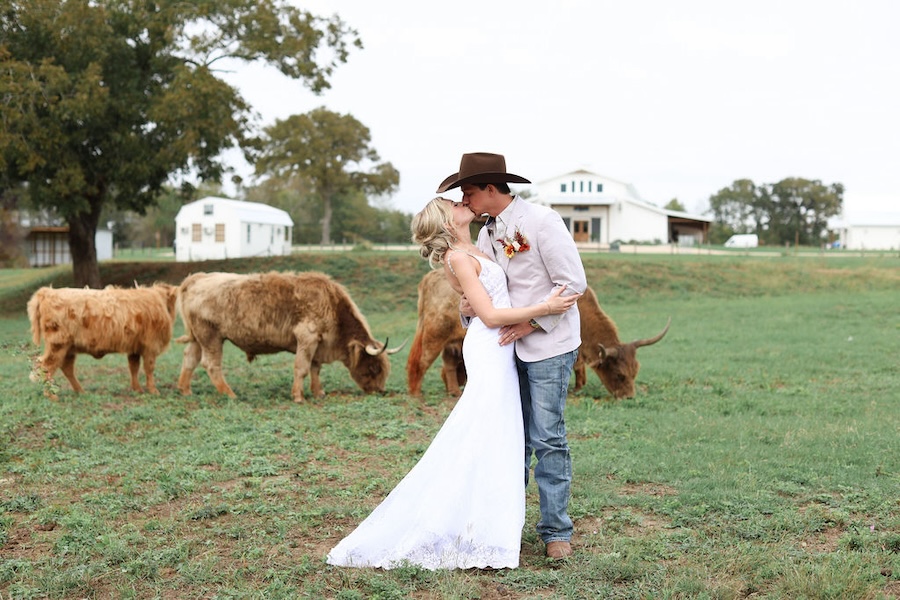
(215, 228)
(48, 246)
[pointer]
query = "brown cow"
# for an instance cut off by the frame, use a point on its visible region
(614, 362)
(440, 333)
(308, 314)
(137, 322)
(439, 330)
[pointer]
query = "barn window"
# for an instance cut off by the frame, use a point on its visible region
(220, 232)
(287, 234)
(196, 232)
(562, 188)
(207, 209)
(248, 233)
(599, 187)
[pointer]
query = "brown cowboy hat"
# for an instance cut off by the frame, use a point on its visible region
(480, 167)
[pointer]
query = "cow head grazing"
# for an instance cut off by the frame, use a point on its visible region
(618, 366)
(370, 365)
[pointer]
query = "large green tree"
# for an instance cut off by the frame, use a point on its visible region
(799, 210)
(331, 154)
(738, 208)
(102, 101)
(794, 210)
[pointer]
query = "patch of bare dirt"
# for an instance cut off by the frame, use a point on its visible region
(647, 489)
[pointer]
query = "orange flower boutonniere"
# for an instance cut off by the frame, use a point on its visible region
(515, 244)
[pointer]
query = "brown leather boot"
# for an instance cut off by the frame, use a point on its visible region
(559, 549)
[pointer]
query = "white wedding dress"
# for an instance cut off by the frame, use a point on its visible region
(463, 504)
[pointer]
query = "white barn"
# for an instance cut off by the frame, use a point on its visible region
(600, 210)
(216, 228)
(870, 231)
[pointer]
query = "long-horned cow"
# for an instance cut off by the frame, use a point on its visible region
(308, 314)
(136, 321)
(439, 331)
(612, 360)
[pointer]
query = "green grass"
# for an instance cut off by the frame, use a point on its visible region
(760, 458)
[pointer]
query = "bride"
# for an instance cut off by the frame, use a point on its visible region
(463, 504)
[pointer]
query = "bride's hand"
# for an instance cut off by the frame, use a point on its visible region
(558, 304)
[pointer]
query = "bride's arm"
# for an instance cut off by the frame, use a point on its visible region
(464, 269)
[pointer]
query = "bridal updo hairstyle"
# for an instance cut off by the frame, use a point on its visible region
(432, 229)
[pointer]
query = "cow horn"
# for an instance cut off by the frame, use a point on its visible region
(654, 339)
(397, 349)
(607, 352)
(373, 350)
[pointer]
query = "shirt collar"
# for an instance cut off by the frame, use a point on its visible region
(505, 217)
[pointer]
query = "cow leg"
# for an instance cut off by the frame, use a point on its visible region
(307, 343)
(149, 366)
(451, 360)
(40, 373)
(68, 369)
(315, 383)
(580, 374)
(303, 365)
(211, 359)
(192, 354)
(134, 365)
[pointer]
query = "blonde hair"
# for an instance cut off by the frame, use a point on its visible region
(432, 229)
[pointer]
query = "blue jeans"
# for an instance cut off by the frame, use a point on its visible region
(543, 386)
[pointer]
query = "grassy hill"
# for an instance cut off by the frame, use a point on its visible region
(384, 281)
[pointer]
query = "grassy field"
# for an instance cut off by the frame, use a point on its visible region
(760, 458)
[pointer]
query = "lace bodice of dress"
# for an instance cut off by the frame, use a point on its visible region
(493, 278)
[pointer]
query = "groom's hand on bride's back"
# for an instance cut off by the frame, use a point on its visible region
(465, 309)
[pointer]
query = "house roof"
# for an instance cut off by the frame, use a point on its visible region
(869, 219)
(582, 172)
(248, 212)
(603, 199)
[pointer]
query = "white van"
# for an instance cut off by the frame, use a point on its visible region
(744, 240)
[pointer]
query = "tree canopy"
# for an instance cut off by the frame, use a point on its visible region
(331, 156)
(102, 101)
(794, 210)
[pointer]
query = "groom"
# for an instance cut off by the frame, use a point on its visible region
(538, 254)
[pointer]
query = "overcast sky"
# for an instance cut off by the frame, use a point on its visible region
(679, 99)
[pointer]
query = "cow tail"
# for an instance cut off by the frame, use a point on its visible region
(415, 350)
(414, 371)
(34, 316)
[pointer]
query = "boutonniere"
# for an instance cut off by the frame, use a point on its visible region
(515, 244)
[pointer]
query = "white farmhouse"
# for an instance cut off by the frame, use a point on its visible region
(216, 228)
(870, 231)
(600, 210)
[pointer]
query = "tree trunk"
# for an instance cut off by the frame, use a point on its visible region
(326, 220)
(83, 246)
